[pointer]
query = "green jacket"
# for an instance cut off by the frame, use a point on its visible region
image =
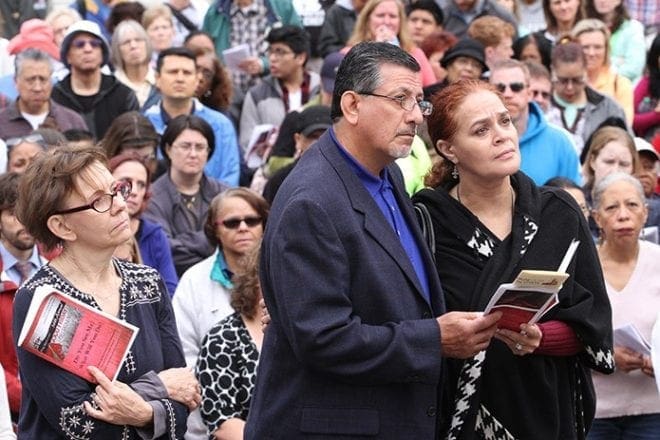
(218, 24)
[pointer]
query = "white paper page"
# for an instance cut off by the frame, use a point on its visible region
(655, 349)
(628, 336)
(234, 55)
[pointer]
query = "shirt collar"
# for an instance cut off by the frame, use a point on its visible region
(374, 184)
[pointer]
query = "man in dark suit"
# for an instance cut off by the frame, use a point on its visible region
(354, 348)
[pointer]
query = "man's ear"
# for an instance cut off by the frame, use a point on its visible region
(350, 106)
(446, 150)
(58, 226)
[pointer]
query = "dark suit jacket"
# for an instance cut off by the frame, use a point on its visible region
(352, 350)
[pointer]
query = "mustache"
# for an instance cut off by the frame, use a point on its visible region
(411, 131)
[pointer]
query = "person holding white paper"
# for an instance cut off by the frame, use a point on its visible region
(490, 222)
(627, 402)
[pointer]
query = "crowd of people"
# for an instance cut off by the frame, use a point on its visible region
(306, 205)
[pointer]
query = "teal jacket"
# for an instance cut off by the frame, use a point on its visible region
(218, 24)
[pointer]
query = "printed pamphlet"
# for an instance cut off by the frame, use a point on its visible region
(73, 335)
(531, 295)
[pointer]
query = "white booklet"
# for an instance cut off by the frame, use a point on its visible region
(655, 348)
(234, 55)
(628, 336)
(531, 294)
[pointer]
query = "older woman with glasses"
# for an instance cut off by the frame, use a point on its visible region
(68, 198)
(21, 151)
(575, 106)
(234, 226)
(181, 197)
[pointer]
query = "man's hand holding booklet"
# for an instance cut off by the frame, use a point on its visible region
(532, 294)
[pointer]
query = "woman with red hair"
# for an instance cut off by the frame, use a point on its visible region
(151, 239)
(490, 221)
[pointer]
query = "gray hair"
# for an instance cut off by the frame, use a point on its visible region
(611, 179)
(359, 71)
(31, 54)
(122, 29)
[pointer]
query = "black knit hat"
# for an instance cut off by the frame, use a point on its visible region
(466, 47)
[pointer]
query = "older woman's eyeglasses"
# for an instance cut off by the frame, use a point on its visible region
(406, 102)
(103, 203)
(234, 223)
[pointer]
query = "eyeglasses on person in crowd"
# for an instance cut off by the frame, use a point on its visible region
(103, 203)
(235, 222)
(79, 44)
(544, 94)
(406, 102)
(279, 53)
(516, 87)
(35, 138)
(187, 147)
(565, 81)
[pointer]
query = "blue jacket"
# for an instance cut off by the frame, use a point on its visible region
(155, 252)
(224, 164)
(546, 151)
(352, 351)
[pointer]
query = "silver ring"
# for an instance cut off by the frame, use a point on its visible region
(518, 346)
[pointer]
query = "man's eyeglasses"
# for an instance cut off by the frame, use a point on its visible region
(103, 203)
(544, 94)
(516, 87)
(234, 223)
(31, 139)
(188, 147)
(279, 53)
(406, 102)
(79, 44)
(565, 81)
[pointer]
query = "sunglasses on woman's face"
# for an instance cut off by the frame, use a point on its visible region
(235, 222)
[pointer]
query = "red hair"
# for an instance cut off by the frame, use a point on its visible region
(133, 156)
(443, 122)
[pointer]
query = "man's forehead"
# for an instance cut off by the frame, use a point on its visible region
(179, 62)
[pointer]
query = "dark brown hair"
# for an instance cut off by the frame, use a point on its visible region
(247, 291)
(130, 130)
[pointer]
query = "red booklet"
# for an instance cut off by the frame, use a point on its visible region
(73, 335)
(531, 295)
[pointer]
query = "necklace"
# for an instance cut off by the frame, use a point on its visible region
(513, 195)
(188, 200)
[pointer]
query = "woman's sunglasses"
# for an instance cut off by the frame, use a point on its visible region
(234, 223)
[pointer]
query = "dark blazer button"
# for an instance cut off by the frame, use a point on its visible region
(426, 315)
(430, 411)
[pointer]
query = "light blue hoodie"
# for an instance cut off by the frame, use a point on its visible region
(546, 151)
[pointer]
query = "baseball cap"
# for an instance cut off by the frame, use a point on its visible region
(313, 118)
(465, 47)
(644, 146)
(329, 70)
(37, 34)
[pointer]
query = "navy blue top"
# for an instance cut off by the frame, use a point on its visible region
(381, 190)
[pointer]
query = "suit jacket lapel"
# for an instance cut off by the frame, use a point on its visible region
(375, 223)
